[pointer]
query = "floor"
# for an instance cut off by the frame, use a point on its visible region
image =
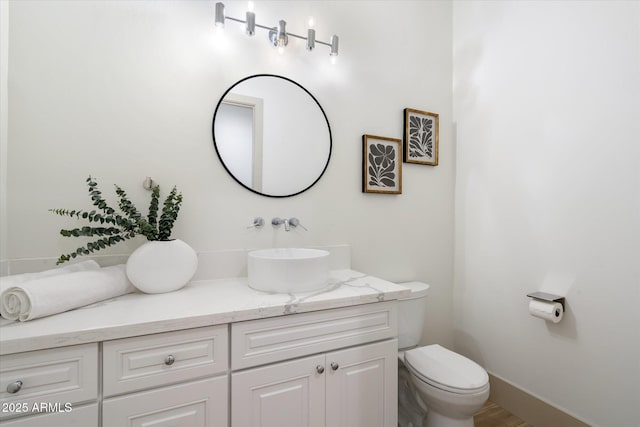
(492, 415)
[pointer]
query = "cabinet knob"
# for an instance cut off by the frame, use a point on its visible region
(319, 369)
(14, 387)
(334, 366)
(169, 360)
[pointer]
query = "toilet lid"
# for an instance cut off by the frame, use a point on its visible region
(418, 289)
(445, 369)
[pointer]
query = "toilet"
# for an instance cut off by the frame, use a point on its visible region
(450, 386)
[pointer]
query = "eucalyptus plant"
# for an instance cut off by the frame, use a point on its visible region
(112, 227)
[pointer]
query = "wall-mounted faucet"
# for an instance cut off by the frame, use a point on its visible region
(288, 223)
(277, 222)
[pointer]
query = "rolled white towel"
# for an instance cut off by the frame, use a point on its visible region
(7, 282)
(56, 294)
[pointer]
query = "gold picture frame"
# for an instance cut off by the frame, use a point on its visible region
(421, 137)
(381, 165)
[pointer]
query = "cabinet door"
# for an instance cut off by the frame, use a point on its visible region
(289, 394)
(194, 404)
(362, 386)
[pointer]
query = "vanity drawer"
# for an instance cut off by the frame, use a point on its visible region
(58, 376)
(78, 416)
(258, 342)
(137, 363)
(201, 403)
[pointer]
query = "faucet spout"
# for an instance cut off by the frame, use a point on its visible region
(286, 224)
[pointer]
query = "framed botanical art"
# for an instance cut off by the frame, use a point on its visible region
(420, 137)
(381, 165)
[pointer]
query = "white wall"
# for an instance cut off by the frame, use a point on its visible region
(547, 114)
(124, 90)
(4, 117)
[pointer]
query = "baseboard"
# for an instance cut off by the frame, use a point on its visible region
(529, 408)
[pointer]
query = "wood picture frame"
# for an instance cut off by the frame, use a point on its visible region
(381, 165)
(421, 137)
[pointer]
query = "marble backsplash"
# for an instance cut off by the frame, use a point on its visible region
(211, 264)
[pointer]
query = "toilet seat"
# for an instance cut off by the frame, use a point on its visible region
(446, 370)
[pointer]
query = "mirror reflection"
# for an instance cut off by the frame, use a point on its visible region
(272, 135)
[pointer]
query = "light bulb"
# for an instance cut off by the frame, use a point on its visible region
(311, 39)
(250, 6)
(334, 59)
(219, 18)
(250, 24)
(311, 22)
(281, 50)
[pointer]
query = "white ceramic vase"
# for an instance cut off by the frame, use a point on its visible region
(162, 266)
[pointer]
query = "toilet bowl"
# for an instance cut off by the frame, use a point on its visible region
(452, 387)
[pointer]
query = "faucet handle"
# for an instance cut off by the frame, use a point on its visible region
(258, 222)
(295, 222)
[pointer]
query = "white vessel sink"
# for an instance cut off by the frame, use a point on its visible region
(288, 270)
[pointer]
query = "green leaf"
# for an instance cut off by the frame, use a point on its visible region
(170, 210)
(119, 227)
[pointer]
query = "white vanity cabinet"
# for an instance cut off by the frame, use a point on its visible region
(169, 379)
(349, 378)
(231, 357)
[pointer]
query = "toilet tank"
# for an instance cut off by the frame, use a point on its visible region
(411, 311)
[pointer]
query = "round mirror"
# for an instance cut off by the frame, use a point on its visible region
(272, 135)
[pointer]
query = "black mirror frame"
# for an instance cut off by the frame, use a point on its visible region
(215, 145)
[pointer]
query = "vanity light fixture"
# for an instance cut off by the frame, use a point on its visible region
(278, 35)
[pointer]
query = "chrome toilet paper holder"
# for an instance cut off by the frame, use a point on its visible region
(544, 296)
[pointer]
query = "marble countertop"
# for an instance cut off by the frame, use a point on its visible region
(200, 303)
